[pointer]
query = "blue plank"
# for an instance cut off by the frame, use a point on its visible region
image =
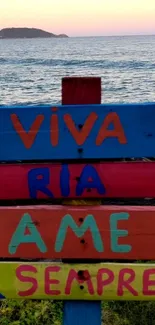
(136, 126)
(2, 297)
(82, 313)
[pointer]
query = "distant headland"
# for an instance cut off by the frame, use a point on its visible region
(7, 33)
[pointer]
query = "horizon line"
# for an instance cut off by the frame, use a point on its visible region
(116, 35)
(78, 36)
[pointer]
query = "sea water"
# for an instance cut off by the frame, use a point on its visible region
(31, 69)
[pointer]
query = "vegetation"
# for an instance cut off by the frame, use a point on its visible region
(30, 312)
(40, 312)
(27, 33)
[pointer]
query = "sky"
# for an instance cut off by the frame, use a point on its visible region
(81, 17)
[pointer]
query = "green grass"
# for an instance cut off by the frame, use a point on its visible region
(30, 312)
(40, 312)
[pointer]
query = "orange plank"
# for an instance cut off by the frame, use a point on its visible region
(96, 232)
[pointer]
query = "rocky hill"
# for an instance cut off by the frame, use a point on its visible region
(27, 33)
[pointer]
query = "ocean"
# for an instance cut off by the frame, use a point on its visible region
(31, 69)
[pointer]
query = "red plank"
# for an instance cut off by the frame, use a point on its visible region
(105, 232)
(81, 90)
(135, 179)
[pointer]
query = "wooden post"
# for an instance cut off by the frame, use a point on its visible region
(81, 90)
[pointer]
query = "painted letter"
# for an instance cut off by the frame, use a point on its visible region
(27, 137)
(116, 132)
(49, 281)
(64, 180)
(116, 233)
(54, 130)
(27, 279)
(73, 275)
(89, 223)
(147, 282)
(19, 236)
(80, 136)
(102, 283)
(38, 180)
(89, 172)
(122, 282)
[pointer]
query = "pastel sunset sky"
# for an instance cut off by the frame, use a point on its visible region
(81, 17)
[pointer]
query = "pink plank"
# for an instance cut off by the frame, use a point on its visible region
(135, 179)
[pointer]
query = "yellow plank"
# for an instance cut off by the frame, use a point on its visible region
(103, 281)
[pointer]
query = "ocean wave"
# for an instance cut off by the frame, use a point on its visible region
(107, 64)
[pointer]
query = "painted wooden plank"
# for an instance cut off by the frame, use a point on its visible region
(102, 281)
(98, 232)
(77, 132)
(36, 181)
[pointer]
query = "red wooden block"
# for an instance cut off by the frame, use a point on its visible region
(81, 90)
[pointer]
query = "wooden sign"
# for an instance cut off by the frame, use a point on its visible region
(98, 232)
(80, 281)
(35, 181)
(77, 132)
